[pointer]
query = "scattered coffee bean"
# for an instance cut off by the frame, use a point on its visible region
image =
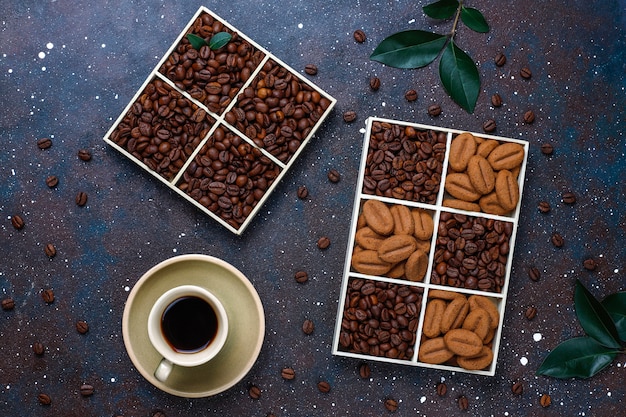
(529, 117)
(86, 390)
(489, 126)
(434, 110)
(47, 295)
(590, 264)
(530, 313)
(81, 198)
(323, 386)
(569, 197)
(359, 36)
(442, 389)
(557, 240)
(544, 207)
(82, 327)
(303, 192)
(547, 149)
(301, 277)
(50, 250)
(525, 73)
(323, 242)
(334, 176)
(410, 95)
(44, 399)
(311, 69)
(288, 373)
(308, 326)
(349, 116)
(391, 404)
(534, 273)
(500, 59)
(52, 181)
(17, 221)
(496, 100)
(364, 371)
(38, 348)
(44, 143)
(517, 388)
(158, 413)
(8, 304)
(374, 83)
(254, 392)
(463, 403)
(545, 400)
(84, 155)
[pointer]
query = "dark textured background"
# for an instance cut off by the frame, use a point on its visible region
(102, 52)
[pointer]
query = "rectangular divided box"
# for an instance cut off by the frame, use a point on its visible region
(430, 248)
(220, 127)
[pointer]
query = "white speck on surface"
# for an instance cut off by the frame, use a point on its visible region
(103, 45)
(112, 379)
(423, 400)
(300, 25)
(41, 55)
(43, 68)
(524, 361)
(49, 45)
(537, 337)
(127, 288)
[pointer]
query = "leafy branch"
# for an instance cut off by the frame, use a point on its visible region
(605, 325)
(217, 41)
(418, 48)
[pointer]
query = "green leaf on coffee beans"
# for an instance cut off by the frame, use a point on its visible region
(409, 49)
(219, 40)
(581, 357)
(442, 9)
(594, 318)
(196, 41)
(615, 305)
(459, 76)
(474, 20)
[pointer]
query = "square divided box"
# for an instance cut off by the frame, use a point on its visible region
(431, 245)
(220, 127)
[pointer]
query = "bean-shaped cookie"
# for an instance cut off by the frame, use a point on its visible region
(481, 174)
(378, 217)
(461, 150)
(463, 342)
(434, 351)
(507, 190)
(432, 318)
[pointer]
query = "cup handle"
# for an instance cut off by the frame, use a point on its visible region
(163, 370)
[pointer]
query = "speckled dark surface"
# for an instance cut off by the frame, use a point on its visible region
(67, 70)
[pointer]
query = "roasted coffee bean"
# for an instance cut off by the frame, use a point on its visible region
(349, 116)
(81, 198)
(547, 149)
(489, 126)
(8, 304)
(52, 181)
(359, 36)
(500, 59)
(288, 373)
(50, 250)
(323, 242)
(442, 389)
(496, 100)
(38, 348)
(303, 192)
(254, 392)
(463, 403)
(44, 143)
(158, 413)
(590, 264)
(323, 386)
(364, 371)
(434, 110)
(47, 295)
(410, 95)
(308, 326)
(84, 155)
(310, 69)
(44, 399)
(334, 176)
(544, 207)
(391, 404)
(529, 117)
(569, 197)
(525, 73)
(534, 273)
(86, 390)
(545, 400)
(301, 277)
(530, 313)
(374, 83)
(17, 221)
(82, 326)
(557, 240)
(517, 388)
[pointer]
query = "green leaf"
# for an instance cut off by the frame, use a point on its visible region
(581, 357)
(594, 318)
(442, 9)
(615, 305)
(196, 41)
(459, 76)
(409, 49)
(474, 20)
(219, 40)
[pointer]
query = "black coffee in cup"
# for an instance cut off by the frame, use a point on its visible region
(189, 324)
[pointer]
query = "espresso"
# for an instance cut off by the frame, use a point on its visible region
(189, 324)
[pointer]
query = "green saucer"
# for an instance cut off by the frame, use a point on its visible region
(246, 324)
